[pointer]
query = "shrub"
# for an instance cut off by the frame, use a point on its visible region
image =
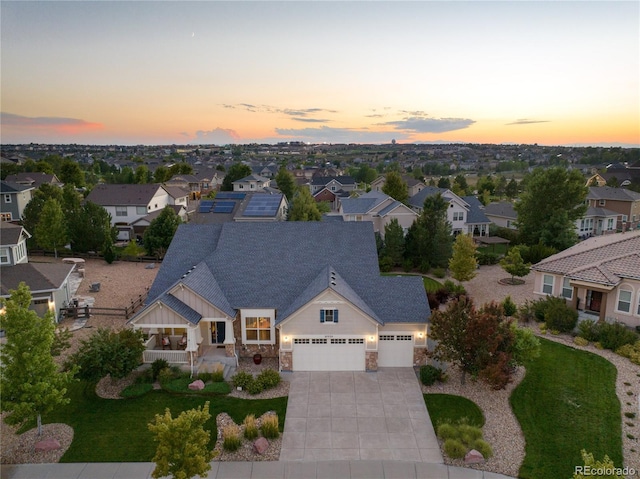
(536, 253)
(269, 427)
(269, 378)
(386, 263)
(250, 427)
(136, 390)
(630, 351)
(580, 341)
(485, 258)
(469, 434)
(242, 379)
(145, 376)
(559, 316)
(429, 374)
(165, 376)
(509, 307)
(526, 312)
(455, 290)
(447, 431)
(589, 330)
(439, 272)
(231, 437)
(157, 366)
(616, 335)
(205, 377)
(483, 448)
(407, 265)
(254, 387)
(434, 302)
(454, 449)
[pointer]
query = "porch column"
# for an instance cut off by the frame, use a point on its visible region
(228, 332)
(574, 298)
(603, 307)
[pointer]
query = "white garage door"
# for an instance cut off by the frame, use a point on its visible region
(328, 354)
(395, 350)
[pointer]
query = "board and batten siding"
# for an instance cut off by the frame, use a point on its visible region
(161, 316)
(197, 303)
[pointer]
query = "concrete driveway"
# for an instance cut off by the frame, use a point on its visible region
(358, 416)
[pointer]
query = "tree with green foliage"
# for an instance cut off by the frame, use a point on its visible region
(393, 242)
(71, 173)
(396, 187)
(365, 174)
(286, 183)
(107, 352)
(236, 172)
(180, 168)
(161, 174)
(142, 175)
(33, 210)
(552, 201)
(91, 228)
(460, 185)
(70, 202)
(51, 231)
(511, 190)
(486, 183)
(429, 240)
(513, 264)
(463, 263)
(303, 207)
(132, 250)
(183, 444)
(29, 378)
(158, 235)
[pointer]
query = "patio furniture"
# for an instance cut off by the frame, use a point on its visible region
(94, 288)
(166, 342)
(182, 344)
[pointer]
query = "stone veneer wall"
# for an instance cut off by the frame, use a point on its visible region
(286, 360)
(420, 357)
(371, 360)
(248, 350)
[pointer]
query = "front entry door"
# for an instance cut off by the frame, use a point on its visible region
(218, 332)
(595, 301)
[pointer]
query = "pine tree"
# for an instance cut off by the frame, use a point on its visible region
(29, 377)
(396, 187)
(394, 242)
(286, 183)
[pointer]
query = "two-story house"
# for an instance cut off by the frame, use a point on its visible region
(413, 186)
(465, 214)
(48, 282)
(128, 203)
(378, 208)
(13, 199)
(626, 203)
(251, 183)
(34, 179)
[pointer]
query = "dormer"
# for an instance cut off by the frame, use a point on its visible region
(13, 244)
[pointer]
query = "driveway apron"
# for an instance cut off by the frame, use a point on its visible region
(352, 415)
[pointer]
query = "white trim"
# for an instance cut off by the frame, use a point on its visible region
(553, 280)
(627, 289)
(258, 313)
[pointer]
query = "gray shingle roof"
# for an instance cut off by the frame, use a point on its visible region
(417, 200)
(476, 214)
(10, 233)
(281, 265)
(38, 276)
(10, 187)
(325, 180)
(133, 195)
(179, 307)
(610, 193)
(503, 209)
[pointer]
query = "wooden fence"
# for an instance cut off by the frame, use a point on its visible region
(86, 311)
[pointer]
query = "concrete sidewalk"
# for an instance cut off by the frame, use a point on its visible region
(253, 470)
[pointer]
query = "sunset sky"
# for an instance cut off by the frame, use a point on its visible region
(552, 73)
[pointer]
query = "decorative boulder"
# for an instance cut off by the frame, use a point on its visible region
(47, 445)
(261, 445)
(196, 385)
(473, 457)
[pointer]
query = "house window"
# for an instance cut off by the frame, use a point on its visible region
(253, 186)
(141, 210)
(258, 329)
(458, 216)
(610, 224)
(4, 255)
(333, 188)
(7, 198)
(328, 315)
(358, 217)
(5, 216)
(241, 187)
(567, 289)
(624, 218)
(547, 284)
(602, 202)
(121, 211)
(624, 301)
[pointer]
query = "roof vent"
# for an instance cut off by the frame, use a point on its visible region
(333, 283)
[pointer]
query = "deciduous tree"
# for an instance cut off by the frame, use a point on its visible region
(91, 229)
(463, 263)
(304, 207)
(183, 444)
(51, 230)
(286, 183)
(158, 236)
(513, 264)
(29, 377)
(236, 172)
(396, 187)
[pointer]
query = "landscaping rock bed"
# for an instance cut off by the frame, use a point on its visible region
(246, 452)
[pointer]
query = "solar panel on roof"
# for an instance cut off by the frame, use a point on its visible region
(204, 209)
(224, 203)
(230, 195)
(208, 203)
(222, 209)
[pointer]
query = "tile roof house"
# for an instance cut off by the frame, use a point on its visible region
(378, 208)
(307, 293)
(466, 214)
(599, 276)
(48, 282)
(128, 203)
(13, 199)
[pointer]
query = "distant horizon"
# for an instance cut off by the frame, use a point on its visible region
(338, 72)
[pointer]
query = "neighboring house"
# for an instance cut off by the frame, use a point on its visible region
(251, 183)
(268, 171)
(48, 282)
(465, 214)
(596, 180)
(622, 201)
(599, 276)
(413, 186)
(378, 208)
(13, 199)
(178, 196)
(139, 226)
(128, 203)
(307, 293)
(333, 184)
(190, 183)
(34, 179)
(230, 206)
(596, 221)
(501, 214)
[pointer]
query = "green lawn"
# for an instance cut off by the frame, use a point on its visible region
(430, 284)
(107, 430)
(567, 402)
(448, 408)
(500, 249)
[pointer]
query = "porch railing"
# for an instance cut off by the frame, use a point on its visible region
(172, 357)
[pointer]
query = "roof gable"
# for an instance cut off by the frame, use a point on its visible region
(123, 194)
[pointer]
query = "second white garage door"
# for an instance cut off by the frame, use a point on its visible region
(328, 354)
(395, 350)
